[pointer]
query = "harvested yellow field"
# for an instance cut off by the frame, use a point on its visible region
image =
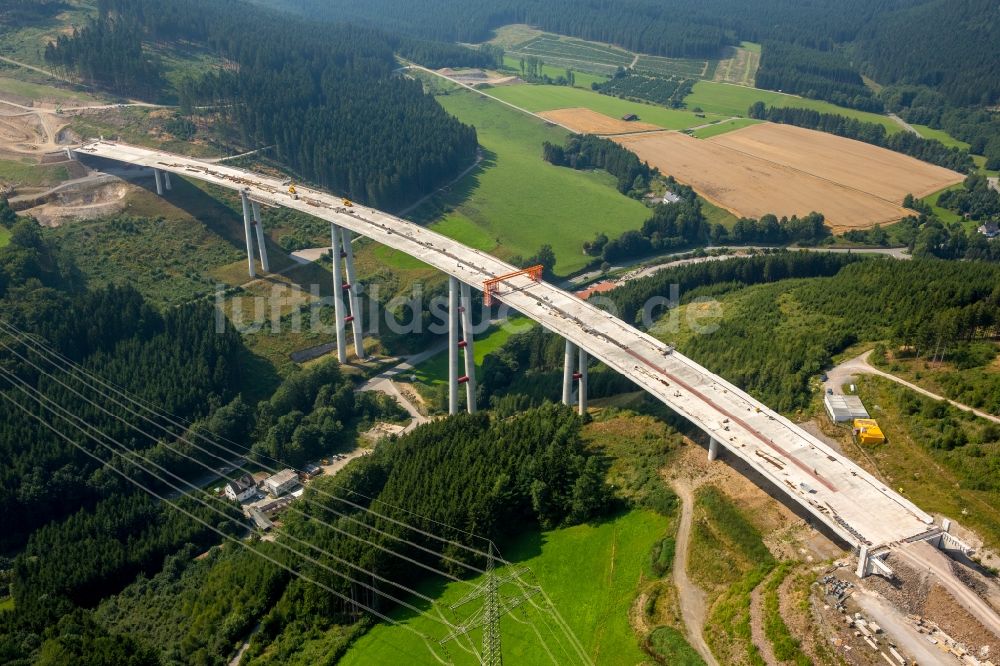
(585, 121)
(791, 171)
(884, 173)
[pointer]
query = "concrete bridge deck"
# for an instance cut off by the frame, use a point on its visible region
(836, 491)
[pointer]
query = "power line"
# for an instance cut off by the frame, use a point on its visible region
(223, 534)
(77, 370)
(61, 412)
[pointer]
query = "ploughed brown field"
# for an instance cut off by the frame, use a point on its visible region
(786, 170)
(585, 121)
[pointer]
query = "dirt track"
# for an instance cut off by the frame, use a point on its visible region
(690, 596)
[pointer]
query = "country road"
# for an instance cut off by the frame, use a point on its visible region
(690, 597)
(860, 365)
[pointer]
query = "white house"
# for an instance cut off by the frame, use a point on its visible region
(241, 489)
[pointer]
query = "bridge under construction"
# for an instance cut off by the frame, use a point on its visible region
(837, 493)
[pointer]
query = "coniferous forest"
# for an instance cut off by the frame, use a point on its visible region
(325, 95)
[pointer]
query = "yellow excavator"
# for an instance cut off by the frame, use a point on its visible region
(293, 192)
(347, 203)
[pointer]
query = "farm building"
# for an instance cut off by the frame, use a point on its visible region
(630, 117)
(868, 432)
(282, 482)
(990, 229)
(241, 489)
(844, 408)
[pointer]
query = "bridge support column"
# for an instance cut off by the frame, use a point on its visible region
(246, 225)
(158, 177)
(713, 448)
(465, 310)
(862, 570)
(582, 381)
(568, 360)
(452, 345)
(166, 180)
(352, 294)
(338, 292)
(264, 264)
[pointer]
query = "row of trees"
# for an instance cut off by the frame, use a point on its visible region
(325, 95)
(929, 150)
(585, 151)
(980, 128)
(815, 74)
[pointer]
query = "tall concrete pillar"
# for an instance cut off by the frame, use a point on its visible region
(158, 177)
(69, 154)
(713, 448)
(338, 292)
(469, 350)
(166, 180)
(246, 227)
(352, 294)
(582, 381)
(862, 570)
(452, 345)
(568, 359)
(264, 263)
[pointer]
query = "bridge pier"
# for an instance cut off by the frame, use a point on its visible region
(158, 177)
(246, 223)
(452, 345)
(342, 258)
(338, 292)
(568, 359)
(255, 207)
(582, 381)
(352, 294)
(713, 448)
(166, 182)
(465, 310)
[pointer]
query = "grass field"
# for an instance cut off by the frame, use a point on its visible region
(434, 371)
(4, 236)
(546, 98)
(27, 43)
(581, 79)
(740, 66)
(42, 92)
(940, 135)
(30, 174)
(732, 100)
(590, 572)
(496, 207)
(945, 215)
(723, 127)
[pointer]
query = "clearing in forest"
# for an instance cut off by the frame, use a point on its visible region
(586, 121)
(787, 170)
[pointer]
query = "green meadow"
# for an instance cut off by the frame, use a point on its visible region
(732, 100)
(590, 572)
(515, 202)
(537, 98)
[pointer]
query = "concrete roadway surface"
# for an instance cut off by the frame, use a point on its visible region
(843, 373)
(838, 493)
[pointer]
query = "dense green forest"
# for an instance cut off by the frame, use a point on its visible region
(815, 74)
(962, 64)
(324, 94)
(928, 150)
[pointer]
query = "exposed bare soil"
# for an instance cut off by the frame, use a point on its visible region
(585, 121)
